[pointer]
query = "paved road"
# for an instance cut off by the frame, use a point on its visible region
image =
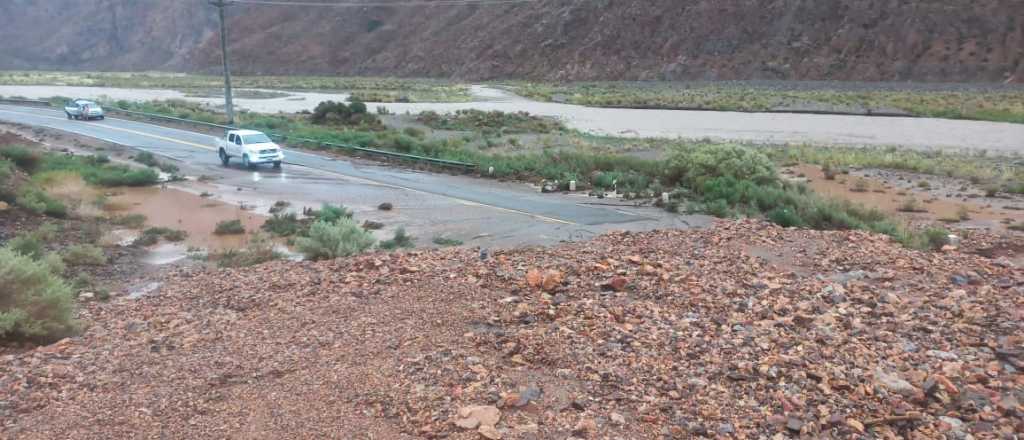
(195, 148)
(748, 127)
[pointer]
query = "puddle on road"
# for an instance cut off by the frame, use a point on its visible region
(889, 198)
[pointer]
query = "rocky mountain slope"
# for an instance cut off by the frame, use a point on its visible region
(954, 40)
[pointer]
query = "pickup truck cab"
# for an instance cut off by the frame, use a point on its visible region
(82, 109)
(252, 147)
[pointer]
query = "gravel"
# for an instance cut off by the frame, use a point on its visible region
(704, 338)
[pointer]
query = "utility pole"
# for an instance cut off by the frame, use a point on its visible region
(229, 106)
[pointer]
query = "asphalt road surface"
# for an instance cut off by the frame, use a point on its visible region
(472, 206)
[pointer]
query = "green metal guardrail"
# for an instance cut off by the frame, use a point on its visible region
(286, 138)
(24, 102)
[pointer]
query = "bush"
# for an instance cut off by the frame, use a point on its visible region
(95, 172)
(283, 225)
(330, 213)
(328, 240)
(151, 236)
(692, 166)
(229, 227)
(36, 200)
(35, 304)
(445, 241)
(23, 157)
(260, 249)
(149, 159)
(84, 255)
(28, 245)
(399, 241)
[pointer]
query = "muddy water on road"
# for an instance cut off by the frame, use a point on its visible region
(198, 216)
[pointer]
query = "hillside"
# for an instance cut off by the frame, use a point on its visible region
(955, 40)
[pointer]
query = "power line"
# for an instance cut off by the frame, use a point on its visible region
(396, 3)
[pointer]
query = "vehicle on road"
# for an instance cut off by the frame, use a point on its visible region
(251, 146)
(83, 109)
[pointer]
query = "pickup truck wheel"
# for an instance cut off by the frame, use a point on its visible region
(277, 164)
(101, 118)
(245, 161)
(69, 115)
(224, 158)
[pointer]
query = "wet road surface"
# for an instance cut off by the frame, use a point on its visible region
(477, 211)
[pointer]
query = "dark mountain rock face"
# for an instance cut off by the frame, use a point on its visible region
(923, 40)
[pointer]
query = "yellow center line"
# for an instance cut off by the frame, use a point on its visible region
(205, 147)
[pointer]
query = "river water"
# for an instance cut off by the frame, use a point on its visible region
(745, 127)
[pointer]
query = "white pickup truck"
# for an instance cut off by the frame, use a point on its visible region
(251, 146)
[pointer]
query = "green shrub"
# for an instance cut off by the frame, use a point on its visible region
(328, 240)
(54, 262)
(84, 255)
(35, 304)
(260, 249)
(283, 225)
(400, 240)
(330, 213)
(229, 227)
(36, 200)
(23, 157)
(445, 241)
(27, 245)
(152, 235)
(150, 160)
(692, 166)
(97, 173)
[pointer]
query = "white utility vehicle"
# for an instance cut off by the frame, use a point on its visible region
(251, 146)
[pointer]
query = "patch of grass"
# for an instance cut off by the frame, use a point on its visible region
(149, 159)
(493, 122)
(84, 255)
(38, 201)
(279, 206)
(23, 157)
(259, 249)
(861, 186)
(401, 240)
(153, 235)
(229, 227)
(446, 242)
(987, 170)
(35, 303)
(131, 221)
(284, 225)
(329, 240)
(331, 213)
(989, 105)
(97, 173)
(910, 204)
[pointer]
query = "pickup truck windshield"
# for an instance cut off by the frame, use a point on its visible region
(256, 139)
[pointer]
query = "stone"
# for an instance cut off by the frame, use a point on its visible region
(552, 279)
(4, 206)
(794, 424)
(489, 432)
(893, 382)
(944, 355)
(855, 425)
(385, 206)
(617, 284)
(480, 415)
(585, 426)
(617, 418)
